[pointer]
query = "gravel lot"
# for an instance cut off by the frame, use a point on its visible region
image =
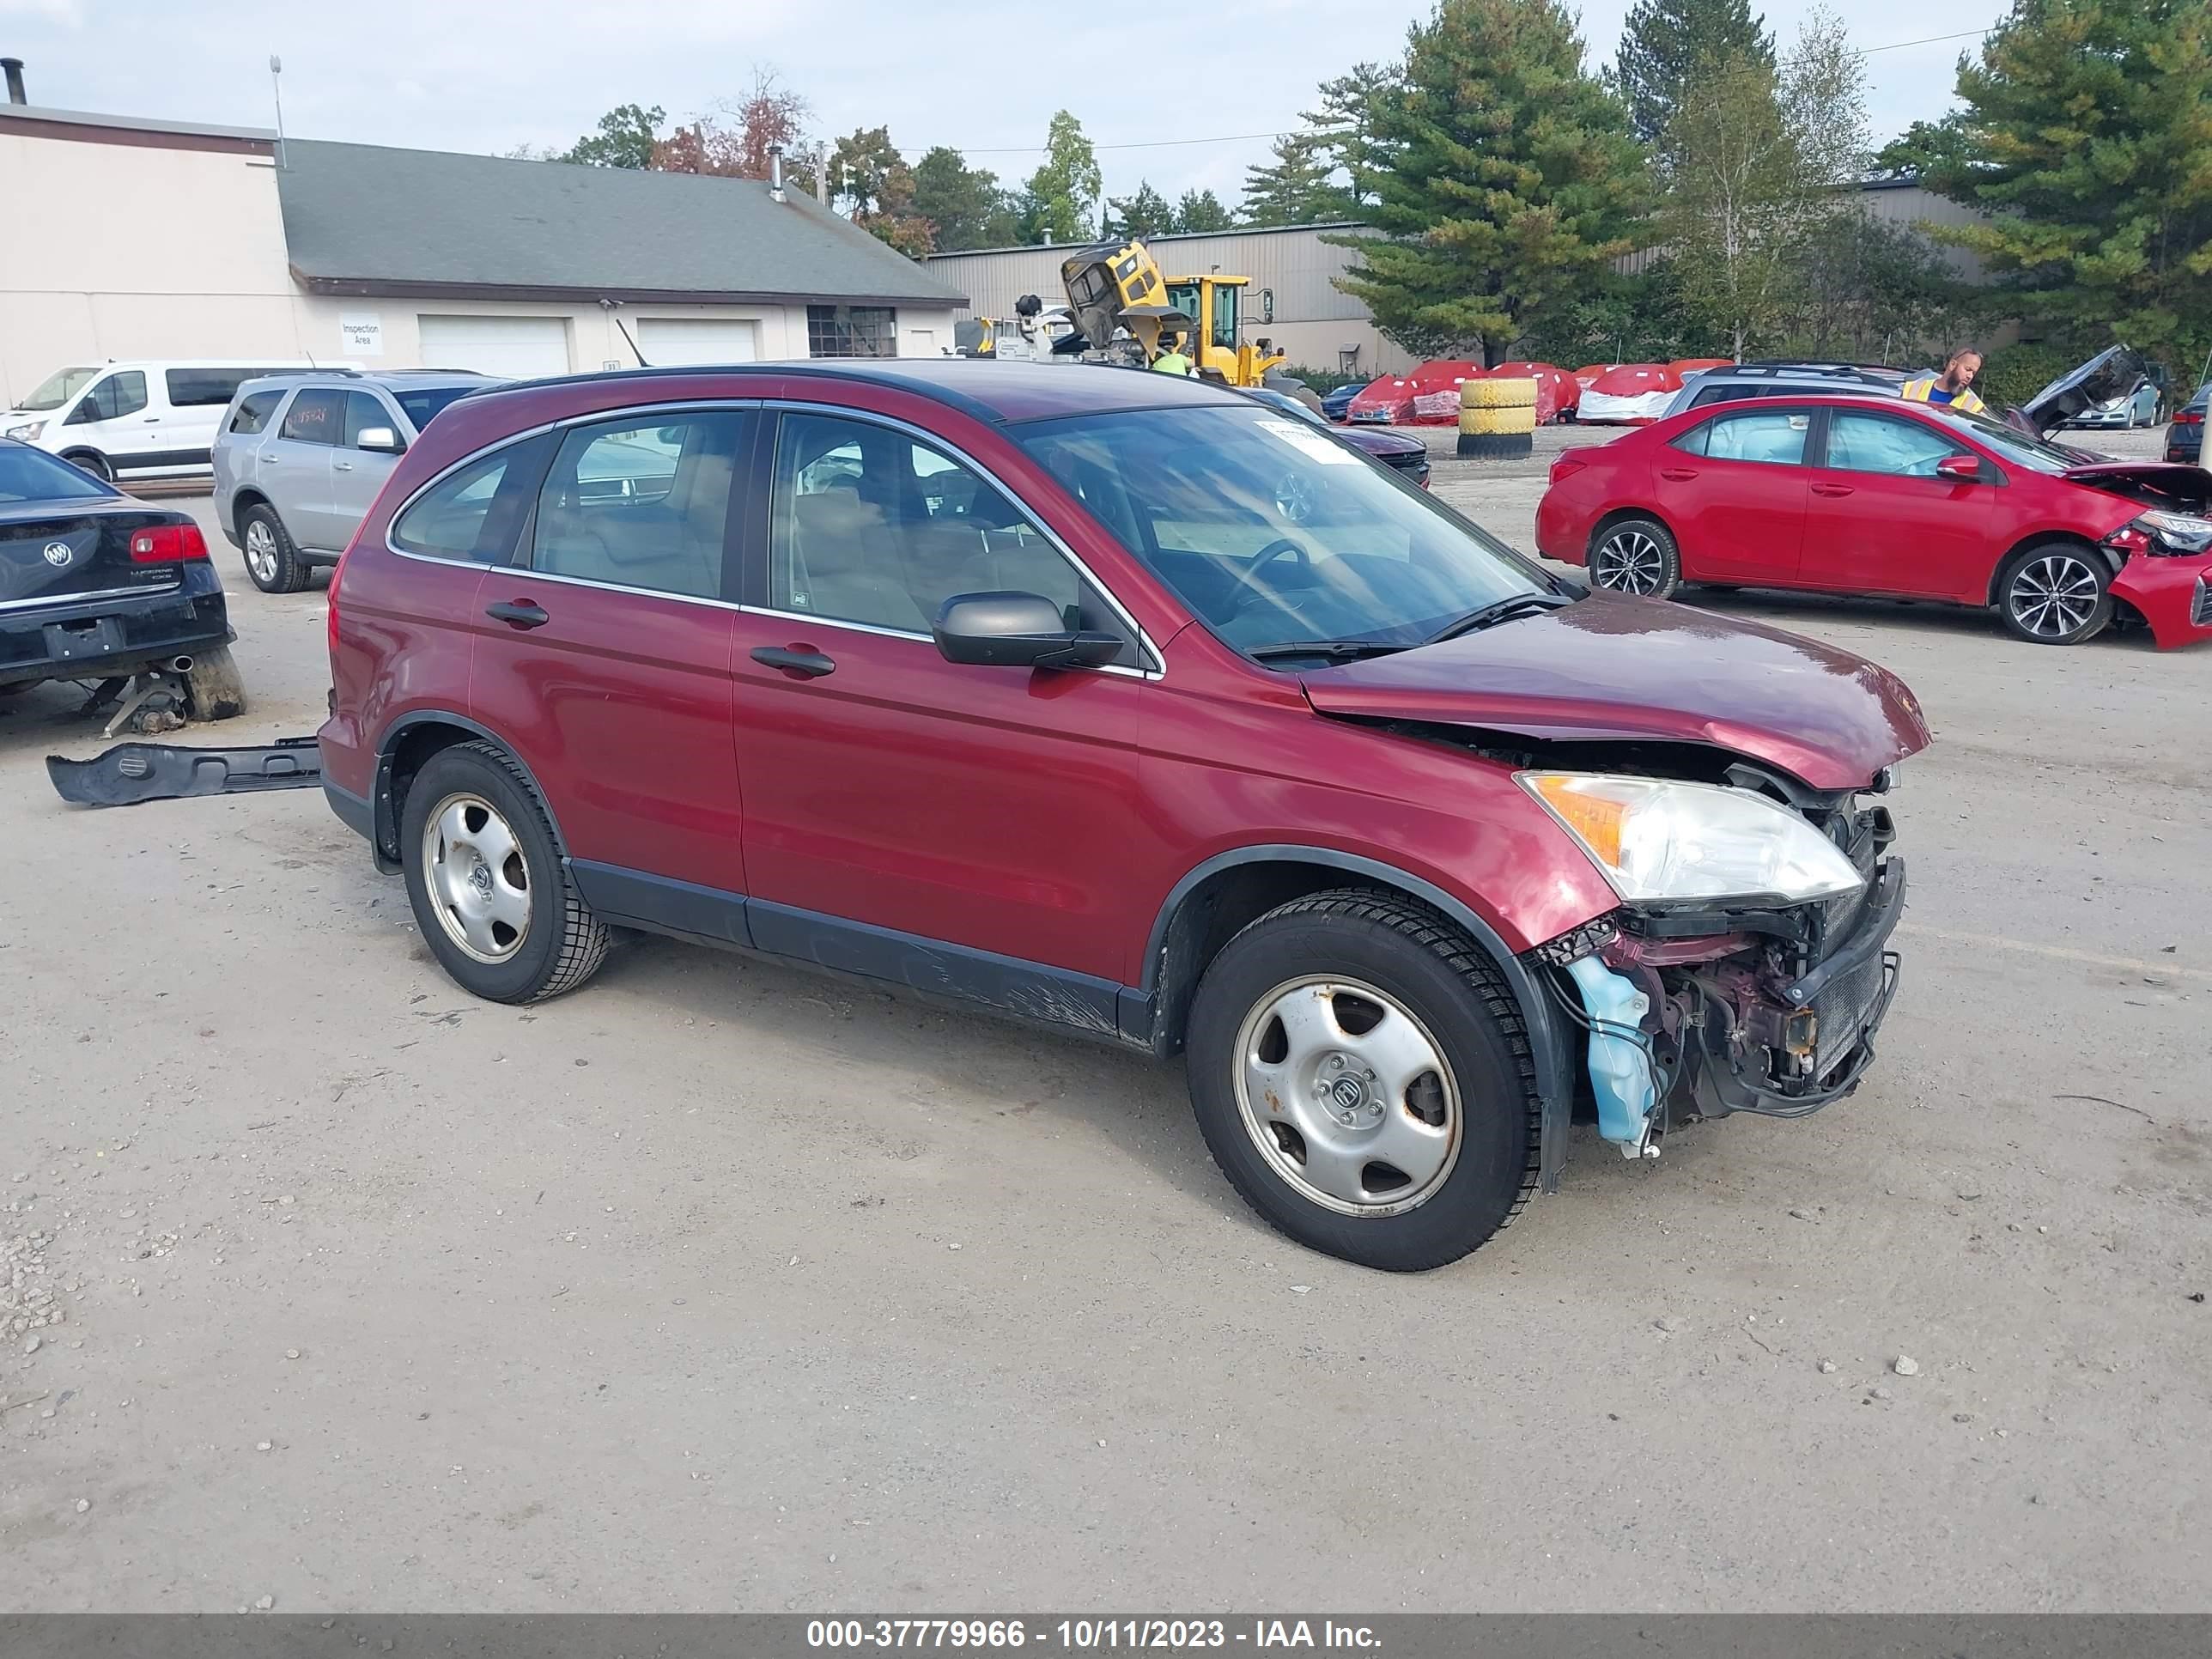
(718, 1287)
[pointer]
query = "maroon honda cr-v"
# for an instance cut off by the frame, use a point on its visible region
(1125, 704)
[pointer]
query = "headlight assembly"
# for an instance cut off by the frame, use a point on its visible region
(1657, 838)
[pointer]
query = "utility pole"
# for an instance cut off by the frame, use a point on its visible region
(277, 89)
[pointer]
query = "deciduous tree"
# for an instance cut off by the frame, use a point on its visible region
(964, 205)
(1062, 200)
(626, 138)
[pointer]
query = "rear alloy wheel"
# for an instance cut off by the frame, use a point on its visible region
(1637, 556)
(2057, 594)
(272, 562)
(1363, 1078)
(495, 903)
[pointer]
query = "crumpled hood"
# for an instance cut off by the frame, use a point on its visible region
(1610, 667)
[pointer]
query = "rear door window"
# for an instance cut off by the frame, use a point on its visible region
(643, 503)
(473, 512)
(317, 416)
(255, 409)
(1774, 437)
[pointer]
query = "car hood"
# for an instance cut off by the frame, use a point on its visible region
(2113, 372)
(1612, 668)
(2172, 484)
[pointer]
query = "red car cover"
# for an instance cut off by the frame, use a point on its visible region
(1436, 390)
(1682, 368)
(1386, 401)
(1628, 394)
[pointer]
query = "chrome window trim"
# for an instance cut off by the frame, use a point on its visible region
(1156, 667)
(1154, 670)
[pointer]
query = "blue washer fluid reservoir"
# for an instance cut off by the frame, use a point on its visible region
(1619, 1055)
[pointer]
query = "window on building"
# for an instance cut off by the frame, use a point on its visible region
(852, 331)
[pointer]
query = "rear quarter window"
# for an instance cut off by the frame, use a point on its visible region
(254, 411)
(473, 512)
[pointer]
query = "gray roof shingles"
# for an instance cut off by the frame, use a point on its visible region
(360, 218)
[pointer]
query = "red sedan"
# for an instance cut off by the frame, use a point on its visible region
(1912, 501)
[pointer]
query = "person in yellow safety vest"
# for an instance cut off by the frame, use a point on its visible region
(1171, 360)
(1951, 385)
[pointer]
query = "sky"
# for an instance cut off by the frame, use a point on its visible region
(983, 76)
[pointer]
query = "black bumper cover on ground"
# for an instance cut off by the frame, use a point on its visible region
(133, 772)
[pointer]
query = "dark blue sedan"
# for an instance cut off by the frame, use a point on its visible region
(2184, 438)
(1337, 405)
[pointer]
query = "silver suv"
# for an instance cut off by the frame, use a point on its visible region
(298, 460)
(1734, 382)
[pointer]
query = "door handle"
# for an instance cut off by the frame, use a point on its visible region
(342, 466)
(517, 613)
(799, 660)
(1679, 474)
(1831, 489)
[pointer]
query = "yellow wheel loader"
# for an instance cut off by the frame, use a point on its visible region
(1123, 305)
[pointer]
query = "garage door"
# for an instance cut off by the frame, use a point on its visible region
(521, 347)
(668, 341)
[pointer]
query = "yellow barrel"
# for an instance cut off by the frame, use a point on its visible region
(1495, 419)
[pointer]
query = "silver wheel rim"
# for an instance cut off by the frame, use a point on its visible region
(1629, 561)
(1348, 1097)
(261, 551)
(476, 877)
(2053, 596)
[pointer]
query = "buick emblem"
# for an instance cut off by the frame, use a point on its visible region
(57, 554)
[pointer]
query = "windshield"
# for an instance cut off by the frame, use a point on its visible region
(58, 387)
(1272, 531)
(420, 406)
(32, 475)
(2011, 443)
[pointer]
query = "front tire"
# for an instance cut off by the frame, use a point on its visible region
(494, 901)
(1637, 556)
(273, 563)
(2056, 594)
(1363, 1078)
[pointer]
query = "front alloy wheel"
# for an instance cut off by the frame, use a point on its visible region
(2058, 596)
(1348, 1097)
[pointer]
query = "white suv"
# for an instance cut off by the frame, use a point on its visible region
(300, 460)
(136, 419)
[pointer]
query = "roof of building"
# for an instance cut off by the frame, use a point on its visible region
(154, 134)
(364, 219)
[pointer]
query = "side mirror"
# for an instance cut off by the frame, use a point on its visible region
(1015, 630)
(382, 439)
(1960, 469)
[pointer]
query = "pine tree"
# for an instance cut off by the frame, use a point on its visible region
(1663, 43)
(1146, 213)
(1202, 211)
(1506, 182)
(963, 204)
(1299, 187)
(2087, 136)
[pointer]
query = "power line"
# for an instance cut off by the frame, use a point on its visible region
(1247, 137)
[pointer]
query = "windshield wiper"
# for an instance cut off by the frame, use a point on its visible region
(1499, 610)
(1334, 650)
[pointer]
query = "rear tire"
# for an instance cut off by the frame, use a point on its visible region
(213, 686)
(1637, 556)
(93, 462)
(273, 563)
(494, 901)
(2056, 592)
(1363, 1078)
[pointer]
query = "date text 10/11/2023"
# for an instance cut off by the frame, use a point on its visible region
(1086, 1635)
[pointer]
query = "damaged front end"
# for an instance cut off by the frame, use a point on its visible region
(1689, 1008)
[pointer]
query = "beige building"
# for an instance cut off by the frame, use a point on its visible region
(128, 238)
(1292, 301)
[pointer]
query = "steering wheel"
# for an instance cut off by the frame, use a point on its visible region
(1281, 547)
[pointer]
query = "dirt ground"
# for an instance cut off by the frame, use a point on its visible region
(715, 1286)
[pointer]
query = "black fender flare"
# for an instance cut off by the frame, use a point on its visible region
(385, 822)
(1547, 1033)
